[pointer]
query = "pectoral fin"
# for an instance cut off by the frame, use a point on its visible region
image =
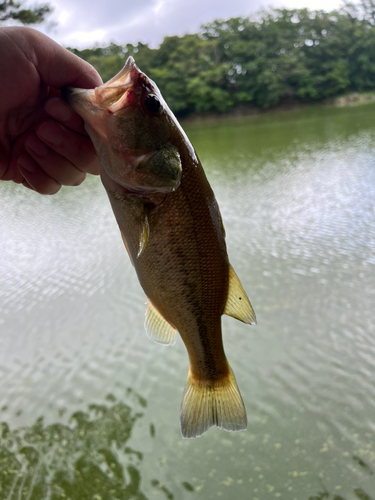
(238, 304)
(127, 247)
(145, 233)
(157, 328)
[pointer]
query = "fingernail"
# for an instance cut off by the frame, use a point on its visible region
(58, 109)
(27, 185)
(52, 132)
(25, 162)
(38, 146)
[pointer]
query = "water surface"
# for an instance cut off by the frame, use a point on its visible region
(90, 406)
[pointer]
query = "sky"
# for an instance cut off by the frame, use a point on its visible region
(84, 23)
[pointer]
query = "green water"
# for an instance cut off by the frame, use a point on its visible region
(90, 406)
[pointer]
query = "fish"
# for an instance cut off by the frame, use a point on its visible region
(172, 229)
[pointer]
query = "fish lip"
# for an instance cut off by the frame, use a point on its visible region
(125, 76)
(122, 94)
(80, 99)
(96, 98)
(123, 90)
(68, 93)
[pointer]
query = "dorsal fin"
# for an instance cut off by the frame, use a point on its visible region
(238, 304)
(157, 328)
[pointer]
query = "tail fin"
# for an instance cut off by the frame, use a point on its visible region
(207, 403)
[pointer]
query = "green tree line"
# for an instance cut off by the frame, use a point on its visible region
(16, 11)
(277, 56)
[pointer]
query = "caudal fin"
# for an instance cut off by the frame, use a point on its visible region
(207, 403)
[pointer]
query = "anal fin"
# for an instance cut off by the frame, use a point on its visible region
(157, 328)
(238, 304)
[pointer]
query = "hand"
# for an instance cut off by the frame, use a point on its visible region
(43, 144)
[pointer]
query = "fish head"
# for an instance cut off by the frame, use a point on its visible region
(131, 128)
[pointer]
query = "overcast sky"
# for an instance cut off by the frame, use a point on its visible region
(82, 23)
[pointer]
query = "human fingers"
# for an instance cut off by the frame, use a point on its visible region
(27, 185)
(35, 178)
(68, 168)
(60, 110)
(52, 163)
(76, 148)
(9, 170)
(3, 164)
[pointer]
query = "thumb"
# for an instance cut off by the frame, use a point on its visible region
(56, 65)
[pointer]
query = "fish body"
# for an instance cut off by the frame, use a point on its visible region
(173, 232)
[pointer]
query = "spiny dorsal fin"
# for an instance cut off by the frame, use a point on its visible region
(145, 233)
(212, 402)
(157, 328)
(238, 304)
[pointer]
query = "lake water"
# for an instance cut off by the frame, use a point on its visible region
(90, 406)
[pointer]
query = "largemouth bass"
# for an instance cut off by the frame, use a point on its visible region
(172, 229)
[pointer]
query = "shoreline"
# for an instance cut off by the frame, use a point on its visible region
(348, 100)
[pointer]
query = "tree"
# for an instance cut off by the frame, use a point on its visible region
(277, 56)
(11, 10)
(106, 60)
(363, 10)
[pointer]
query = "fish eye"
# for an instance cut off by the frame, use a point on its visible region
(152, 103)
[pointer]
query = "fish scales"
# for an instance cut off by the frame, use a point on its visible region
(186, 251)
(192, 270)
(173, 232)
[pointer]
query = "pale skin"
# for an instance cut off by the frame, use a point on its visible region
(43, 144)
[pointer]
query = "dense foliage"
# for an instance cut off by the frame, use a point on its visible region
(14, 11)
(275, 57)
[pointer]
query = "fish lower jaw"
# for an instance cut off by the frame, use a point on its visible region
(123, 187)
(122, 190)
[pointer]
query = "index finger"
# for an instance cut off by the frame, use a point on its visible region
(62, 112)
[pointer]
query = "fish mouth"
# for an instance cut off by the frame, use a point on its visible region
(103, 109)
(119, 93)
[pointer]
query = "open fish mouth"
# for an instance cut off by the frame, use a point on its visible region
(127, 120)
(119, 93)
(174, 236)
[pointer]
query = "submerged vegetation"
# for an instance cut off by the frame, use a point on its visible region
(277, 56)
(87, 458)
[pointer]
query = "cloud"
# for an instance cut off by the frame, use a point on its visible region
(88, 38)
(83, 23)
(143, 20)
